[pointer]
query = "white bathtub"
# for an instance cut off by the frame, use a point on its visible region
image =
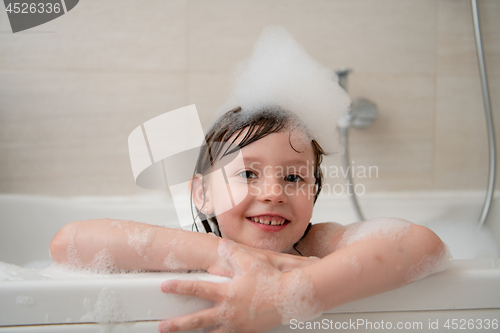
(467, 295)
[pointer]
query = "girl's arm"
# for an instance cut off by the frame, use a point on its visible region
(105, 245)
(370, 258)
(132, 246)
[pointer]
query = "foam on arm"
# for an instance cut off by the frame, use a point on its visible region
(106, 245)
(372, 259)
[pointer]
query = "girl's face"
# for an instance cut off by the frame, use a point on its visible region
(272, 189)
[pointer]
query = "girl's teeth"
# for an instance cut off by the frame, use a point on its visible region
(273, 221)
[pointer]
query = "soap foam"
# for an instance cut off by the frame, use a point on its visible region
(430, 264)
(140, 240)
(38, 264)
(171, 262)
(391, 229)
(107, 310)
(323, 238)
(353, 262)
(117, 223)
(25, 300)
(263, 290)
(11, 272)
(103, 262)
(223, 317)
(280, 73)
(225, 251)
(297, 299)
(65, 271)
(72, 251)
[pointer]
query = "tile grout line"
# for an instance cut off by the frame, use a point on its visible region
(435, 97)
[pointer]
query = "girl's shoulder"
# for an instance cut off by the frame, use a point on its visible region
(321, 239)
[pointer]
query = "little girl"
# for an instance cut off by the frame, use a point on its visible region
(282, 267)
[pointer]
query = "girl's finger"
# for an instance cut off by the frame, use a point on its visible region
(202, 289)
(200, 319)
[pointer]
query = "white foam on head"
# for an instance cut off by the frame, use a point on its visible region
(430, 264)
(139, 240)
(391, 229)
(299, 135)
(171, 262)
(281, 73)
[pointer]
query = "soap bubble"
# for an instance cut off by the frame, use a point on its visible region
(430, 264)
(171, 262)
(139, 240)
(25, 300)
(281, 74)
(391, 229)
(353, 262)
(297, 299)
(107, 310)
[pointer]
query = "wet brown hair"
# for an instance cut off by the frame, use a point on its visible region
(231, 127)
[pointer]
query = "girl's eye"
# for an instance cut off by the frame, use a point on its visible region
(248, 174)
(293, 178)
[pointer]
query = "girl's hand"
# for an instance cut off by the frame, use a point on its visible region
(258, 298)
(281, 261)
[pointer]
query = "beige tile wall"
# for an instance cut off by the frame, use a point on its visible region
(72, 90)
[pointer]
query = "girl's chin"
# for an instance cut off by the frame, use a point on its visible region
(274, 244)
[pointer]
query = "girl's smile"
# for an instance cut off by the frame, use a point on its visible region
(274, 220)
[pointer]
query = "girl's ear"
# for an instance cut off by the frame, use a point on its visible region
(201, 199)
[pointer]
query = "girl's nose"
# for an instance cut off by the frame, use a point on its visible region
(273, 191)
